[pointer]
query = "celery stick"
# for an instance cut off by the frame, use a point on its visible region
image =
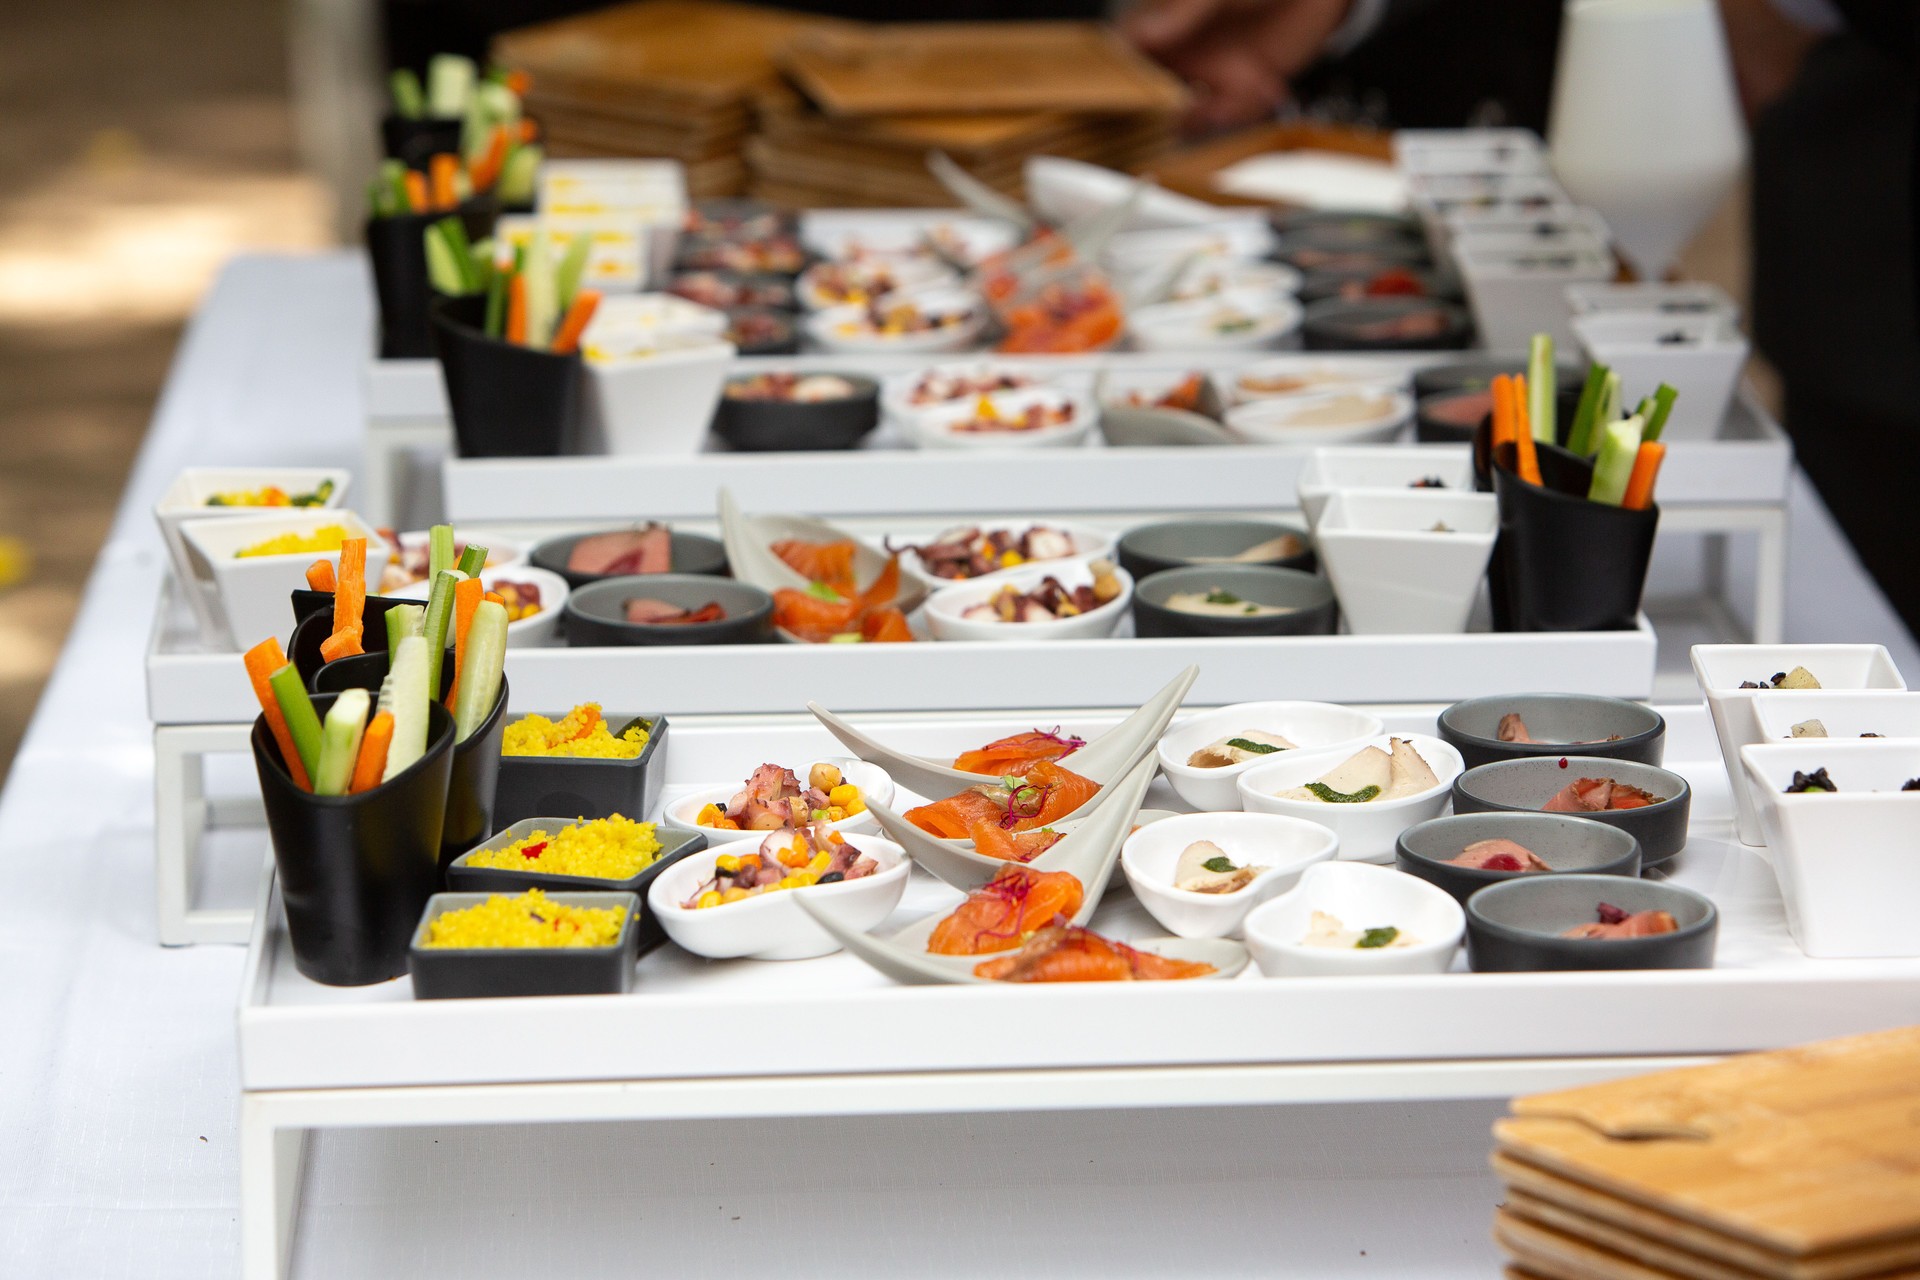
(404, 620)
(297, 709)
(1579, 435)
(519, 174)
(450, 80)
(543, 298)
(393, 175)
(473, 560)
(454, 232)
(573, 267)
(1619, 445)
(1612, 409)
(405, 695)
(380, 200)
(408, 101)
(480, 673)
(1663, 398)
(439, 550)
(439, 614)
(1540, 388)
(497, 303)
(340, 742)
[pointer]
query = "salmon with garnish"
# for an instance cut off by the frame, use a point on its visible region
(828, 563)
(1044, 794)
(994, 841)
(1067, 953)
(1000, 914)
(1014, 755)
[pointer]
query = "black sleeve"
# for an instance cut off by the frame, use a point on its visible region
(1888, 25)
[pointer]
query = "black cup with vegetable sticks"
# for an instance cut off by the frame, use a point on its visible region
(460, 112)
(511, 357)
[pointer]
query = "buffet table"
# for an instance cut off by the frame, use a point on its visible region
(121, 1122)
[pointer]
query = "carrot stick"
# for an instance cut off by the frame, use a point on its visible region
(350, 593)
(529, 131)
(497, 598)
(486, 170)
(1526, 458)
(567, 340)
(441, 171)
(1503, 425)
(1646, 470)
(372, 760)
(416, 184)
(519, 82)
(342, 644)
(517, 309)
(467, 595)
(320, 575)
(263, 660)
(1522, 414)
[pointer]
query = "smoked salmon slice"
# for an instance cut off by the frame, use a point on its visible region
(995, 841)
(1016, 754)
(1000, 914)
(1044, 794)
(1067, 953)
(827, 562)
(866, 614)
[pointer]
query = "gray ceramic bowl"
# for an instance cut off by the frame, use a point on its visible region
(1574, 722)
(1515, 927)
(1310, 598)
(1568, 844)
(452, 973)
(691, 553)
(597, 615)
(799, 425)
(1174, 544)
(1523, 786)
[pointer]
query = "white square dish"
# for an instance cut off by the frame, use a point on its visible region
(256, 592)
(1394, 571)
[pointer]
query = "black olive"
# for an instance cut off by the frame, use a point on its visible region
(833, 877)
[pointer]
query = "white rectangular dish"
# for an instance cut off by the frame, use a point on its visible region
(689, 1018)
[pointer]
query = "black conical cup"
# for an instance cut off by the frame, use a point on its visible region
(508, 401)
(356, 870)
(415, 141)
(476, 761)
(1569, 564)
(314, 611)
(396, 247)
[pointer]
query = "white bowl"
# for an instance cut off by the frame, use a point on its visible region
(1296, 375)
(873, 781)
(1362, 897)
(772, 926)
(896, 393)
(1284, 846)
(256, 592)
(1378, 466)
(1278, 419)
(186, 499)
(502, 552)
(1088, 544)
(536, 632)
(1846, 714)
(1367, 831)
(1194, 325)
(1720, 668)
(1392, 573)
(933, 428)
(906, 272)
(1311, 725)
(1845, 860)
(830, 329)
(654, 401)
(944, 607)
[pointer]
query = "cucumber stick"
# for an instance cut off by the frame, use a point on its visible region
(404, 695)
(297, 709)
(444, 268)
(404, 620)
(408, 101)
(1540, 388)
(472, 560)
(1619, 445)
(543, 293)
(450, 80)
(340, 742)
(573, 267)
(435, 626)
(481, 672)
(439, 550)
(520, 174)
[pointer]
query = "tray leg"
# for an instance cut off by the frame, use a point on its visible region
(182, 814)
(272, 1162)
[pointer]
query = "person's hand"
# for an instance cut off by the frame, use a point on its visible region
(1238, 55)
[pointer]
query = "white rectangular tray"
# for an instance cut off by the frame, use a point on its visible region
(693, 1018)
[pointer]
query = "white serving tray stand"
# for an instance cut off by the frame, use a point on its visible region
(694, 1038)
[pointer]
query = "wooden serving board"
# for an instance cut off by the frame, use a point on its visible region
(928, 68)
(1799, 1152)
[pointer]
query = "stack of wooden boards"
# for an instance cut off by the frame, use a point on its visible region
(812, 111)
(1803, 1164)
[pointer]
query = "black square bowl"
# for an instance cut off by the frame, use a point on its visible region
(675, 844)
(456, 973)
(583, 787)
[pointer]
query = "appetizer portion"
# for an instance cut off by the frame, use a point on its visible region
(1062, 317)
(328, 537)
(1798, 678)
(1062, 952)
(272, 495)
(1809, 729)
(1238, 748)
(1597, 795)
(1815, 783)
(895, 316)
(522, 599)
(868, 278)
(773, 254)
(968, 551)
(411, 560)
(1325, 930)
(1204, 867)
(1217, 603)
(773, 799)
(725, 292)
(1185, 396)
(1000, 914)
(647, 549)
(1499, 855)
(1036, 415)
(1014, 755)
(1368, 775)
(1612, 922)
(582, 733)
(647, 611)
(1042, 796)
(796, 859)
(943, 386)
(610, 848)
(1513, 729)
(793, 388)
(992, 840)
(529, 919)
(831, 609)
(1050, 601)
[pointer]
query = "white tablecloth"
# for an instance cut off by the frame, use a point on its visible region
(117, 1067)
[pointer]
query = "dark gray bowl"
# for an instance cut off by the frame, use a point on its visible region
(1477, 375)
(479, 972)
(765, 426)
(1574, 720)
(694, 553)
(1310, 598)
(1563, 842)
(1515, 927)
(1523, 786)
(584, 786)
(1338, 325)
(597, 615)
(1175, 544)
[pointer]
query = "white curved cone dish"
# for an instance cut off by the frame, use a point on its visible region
(904, 957)
(1090, 851)
(975, 194)
(1089, 234)
(1131, 426)
(749, 541)
(1103, 759)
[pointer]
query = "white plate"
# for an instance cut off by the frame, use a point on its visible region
(1367, 831)
(872, 780)
(1195, 325)
(1361, 897)
(896, 395)
(843, 328)
(771, 926)
(1284, 846)
(1088, 544)
(875, 274)
(1311, 726)
(934, 428)
(944, 607)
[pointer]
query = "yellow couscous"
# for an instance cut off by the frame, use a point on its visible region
(327, 537)
(582, 733)
(614, 848)
(529, 920)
